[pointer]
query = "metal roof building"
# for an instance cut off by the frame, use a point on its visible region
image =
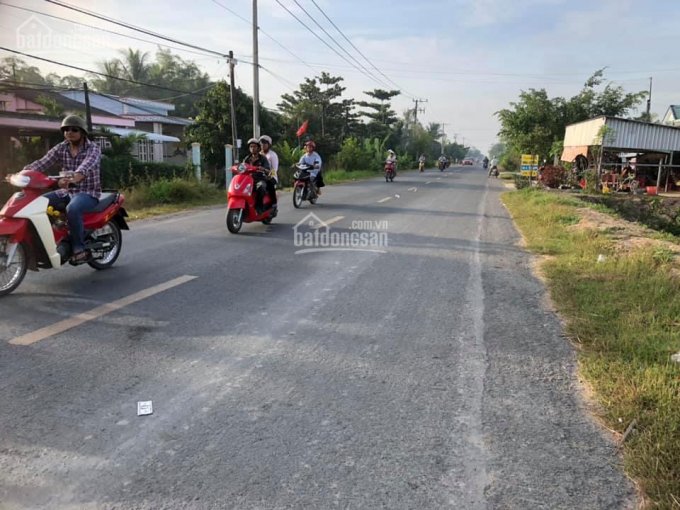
(623, 135)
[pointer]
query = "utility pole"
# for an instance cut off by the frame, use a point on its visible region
(444, 124)
(649, 100)
(256, 77)
(88, 111)
(232, 108)
(416, 110)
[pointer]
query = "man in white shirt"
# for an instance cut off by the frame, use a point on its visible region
(273, 158)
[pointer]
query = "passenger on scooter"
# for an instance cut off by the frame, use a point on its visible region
(312, 158)
(254, 158)
(80, 180)
(273, 158)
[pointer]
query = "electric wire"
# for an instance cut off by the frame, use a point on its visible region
(98, 73)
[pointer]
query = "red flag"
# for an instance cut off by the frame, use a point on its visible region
(302, 129)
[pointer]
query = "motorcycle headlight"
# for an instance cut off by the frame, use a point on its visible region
(242, 168)
(19, 180)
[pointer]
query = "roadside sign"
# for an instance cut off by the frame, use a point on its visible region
(529, 165)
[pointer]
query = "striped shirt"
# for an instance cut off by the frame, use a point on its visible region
(86, 162)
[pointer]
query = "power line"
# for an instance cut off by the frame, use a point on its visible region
(263, 32)
(98, 73)
(103, 29)
(133, 27)
(357, 49)
(337, 43)
(318, 36)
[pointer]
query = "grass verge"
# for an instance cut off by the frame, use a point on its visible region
(623, 314)
(167, 196)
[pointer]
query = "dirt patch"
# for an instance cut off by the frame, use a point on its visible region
(629, 236)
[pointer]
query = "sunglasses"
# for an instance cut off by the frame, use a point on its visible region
(71, 130)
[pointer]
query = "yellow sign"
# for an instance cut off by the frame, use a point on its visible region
(529, 165)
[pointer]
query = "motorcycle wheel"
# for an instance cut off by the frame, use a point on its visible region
(297, 196)
(391, 179)
(387, 179)
(312, 200)
(111, 233)
(234, 220)
(12, 276)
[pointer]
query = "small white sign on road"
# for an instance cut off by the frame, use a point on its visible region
(144, 408)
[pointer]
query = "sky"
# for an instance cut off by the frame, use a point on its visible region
(467, 58)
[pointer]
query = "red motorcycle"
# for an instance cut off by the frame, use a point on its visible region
(34, 236)
(390, 172)
(242, 196)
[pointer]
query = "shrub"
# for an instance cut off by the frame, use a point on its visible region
(521, 181)
(170, 191)
(125, 171)
(553, 176)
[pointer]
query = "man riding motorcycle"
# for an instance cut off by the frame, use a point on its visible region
(80, 180)
(254, 158)
(312, 159)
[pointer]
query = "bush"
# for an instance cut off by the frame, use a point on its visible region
(521, 181)
(125, 171)
(171, 191)
(553, 176)
(352, 155)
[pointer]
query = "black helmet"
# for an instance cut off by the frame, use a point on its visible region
(74, 121)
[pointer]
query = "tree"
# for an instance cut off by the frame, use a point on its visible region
(16, 70)
(212, 127)
(497, 150)
(535, 122)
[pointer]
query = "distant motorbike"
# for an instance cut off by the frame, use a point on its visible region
(34, 235)
(441, 164)
(248, 183)
(421, 166)
(390, 172)
(302, 188)
(494, 171)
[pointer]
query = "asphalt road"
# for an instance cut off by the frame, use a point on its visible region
(418, 370)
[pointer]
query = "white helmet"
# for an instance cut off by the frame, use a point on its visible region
(390, 151)
(266, 138)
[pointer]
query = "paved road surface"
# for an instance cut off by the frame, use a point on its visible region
(422, 374)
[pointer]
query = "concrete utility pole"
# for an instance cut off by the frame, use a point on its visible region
(88, 111)
(416, 110)
(444, 124)
(232, 113)
(649, 100)
(256, 77)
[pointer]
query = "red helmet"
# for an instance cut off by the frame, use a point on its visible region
(310, 142)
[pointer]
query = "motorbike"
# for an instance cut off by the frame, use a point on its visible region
(34, 235)
(421, 166)
(441, 164)
(242, 196)
(390, 172)
(494, 171)
(302, 189)
(485, 165)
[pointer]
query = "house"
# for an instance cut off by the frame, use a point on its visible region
(607, 143)
(672, 117)
(161, 130)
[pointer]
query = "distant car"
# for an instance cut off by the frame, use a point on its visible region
(468, 162)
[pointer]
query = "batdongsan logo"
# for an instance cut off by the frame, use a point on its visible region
(35, 34)
(311, 234)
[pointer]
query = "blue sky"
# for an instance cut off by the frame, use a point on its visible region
(468, 58)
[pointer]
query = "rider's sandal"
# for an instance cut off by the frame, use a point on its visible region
(81, 256)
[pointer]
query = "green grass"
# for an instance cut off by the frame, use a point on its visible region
(624, 314)
(340, 176)
(167, 196)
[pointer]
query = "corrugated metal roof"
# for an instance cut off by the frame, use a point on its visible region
(160, 118)
(625, 134)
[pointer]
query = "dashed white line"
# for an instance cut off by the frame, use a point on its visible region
(95, 313)
(384, 200)
(334, 219)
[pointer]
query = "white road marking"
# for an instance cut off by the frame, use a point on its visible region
(413, 189)
(334, 219)
(428, 182)
(95, 313)
(384, 200)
